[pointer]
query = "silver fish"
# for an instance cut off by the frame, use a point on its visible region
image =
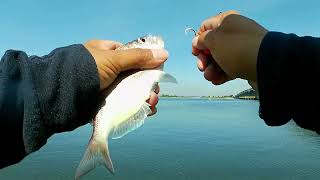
(125, 108)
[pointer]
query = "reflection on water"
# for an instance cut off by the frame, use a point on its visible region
(187, 139)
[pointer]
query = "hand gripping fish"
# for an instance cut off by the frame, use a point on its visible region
(125, 108)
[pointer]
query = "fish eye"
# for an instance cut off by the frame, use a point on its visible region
(143, 40)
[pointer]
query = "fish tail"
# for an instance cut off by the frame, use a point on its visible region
(96, 154)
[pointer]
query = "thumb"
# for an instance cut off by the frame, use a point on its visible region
(139, 58)
(205, 40)
(203, 43)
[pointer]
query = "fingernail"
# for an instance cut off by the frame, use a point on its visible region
(195, 41)
(160, 54)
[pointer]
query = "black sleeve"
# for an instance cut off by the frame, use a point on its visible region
(288, 70)
(40, 96)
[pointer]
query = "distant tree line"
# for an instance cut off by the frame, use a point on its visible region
(226, 96)
(247, 94)
(168, 95)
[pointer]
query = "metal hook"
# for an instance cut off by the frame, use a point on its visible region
(190, 29)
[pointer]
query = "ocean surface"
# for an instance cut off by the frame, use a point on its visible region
(187, 139)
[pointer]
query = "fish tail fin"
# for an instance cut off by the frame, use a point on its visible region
(96, 154)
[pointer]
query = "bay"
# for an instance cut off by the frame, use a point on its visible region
(186, 139)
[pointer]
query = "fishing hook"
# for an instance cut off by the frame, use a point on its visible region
(190, 29)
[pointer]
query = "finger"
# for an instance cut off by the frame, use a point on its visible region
(195, 51)
(206, 41)
(198, 46)
(222, 79)
(153, 111)
(215, 21)
(203, 62)
(199, 42)
(215, 74)
(209, 24)
(210, 73)
(153, 100)
(139, 58)
(219, 81)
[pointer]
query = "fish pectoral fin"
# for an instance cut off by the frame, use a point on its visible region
(134, 122)
(96, 154)
(165, 77)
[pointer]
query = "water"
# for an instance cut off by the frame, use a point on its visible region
(187, 139)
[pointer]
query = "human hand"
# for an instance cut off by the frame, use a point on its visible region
(110, 63)
(227, 47)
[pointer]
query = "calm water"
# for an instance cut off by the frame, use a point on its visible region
(187, 139)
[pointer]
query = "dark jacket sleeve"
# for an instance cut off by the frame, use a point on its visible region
(40, 96)
(288, 70)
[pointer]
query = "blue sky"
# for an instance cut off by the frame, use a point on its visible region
(38, 26)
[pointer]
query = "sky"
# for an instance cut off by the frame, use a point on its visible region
(38, 26)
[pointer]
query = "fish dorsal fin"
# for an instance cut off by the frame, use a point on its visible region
(165, 77)
(134, 122)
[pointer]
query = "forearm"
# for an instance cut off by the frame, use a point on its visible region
(56, 93)
(11, 113)
(287, 75)
(66, 85)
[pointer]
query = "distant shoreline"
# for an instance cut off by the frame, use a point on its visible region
(208, 97)
(248, 94)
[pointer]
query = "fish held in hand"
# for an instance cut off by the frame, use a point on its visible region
(125, 107)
